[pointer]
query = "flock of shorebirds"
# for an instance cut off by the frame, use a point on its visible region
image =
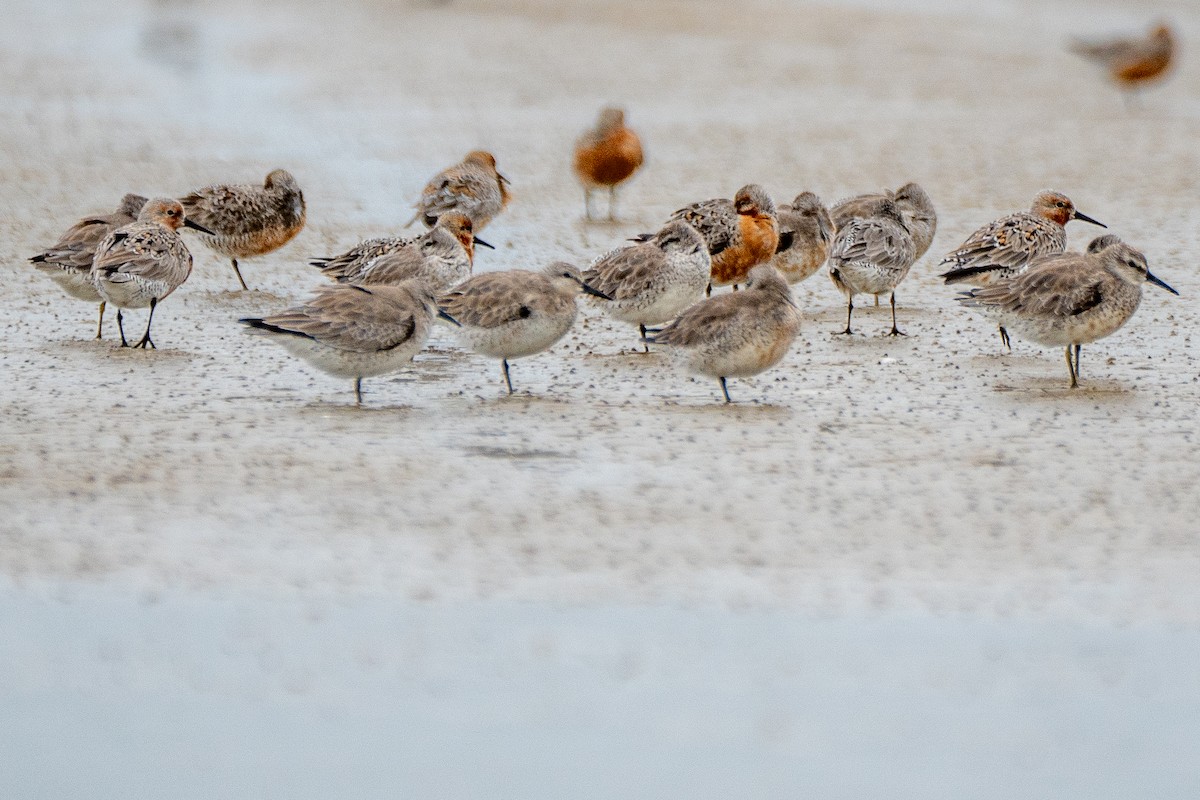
(386, 293)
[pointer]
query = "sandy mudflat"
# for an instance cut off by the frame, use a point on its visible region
(927, 475)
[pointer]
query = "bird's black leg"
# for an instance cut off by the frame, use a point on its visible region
(507, 379)
(895, 331)
(849, 311)
(725, 389)
(121, 328)
(145, 341)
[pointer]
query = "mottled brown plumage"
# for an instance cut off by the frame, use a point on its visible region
(443, 256)
(142, 263)
(473, 186)
(68, 262)
(248, 220)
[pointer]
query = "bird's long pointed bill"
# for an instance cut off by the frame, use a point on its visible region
(187, 223)
(443, 315)
(482, 243)
(594, 292)
(1159, 282)
(1086, 218)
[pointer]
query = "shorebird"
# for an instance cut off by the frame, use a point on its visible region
(357, 332)
(472, 186)
(1003, 248)
(871, 255)
(916, 208)
(246, 220)
(653, 281)
(915, 205)
(740, 234)
(736, 335)
(1132, 62)
(516, 313)
(443, 256)
(606, 156)
(1069, 299)
(140, 264)
(805, 233)
(68, 262)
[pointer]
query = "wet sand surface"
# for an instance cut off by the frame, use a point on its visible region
(929, 477)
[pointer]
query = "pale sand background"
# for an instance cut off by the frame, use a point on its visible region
(929, 493)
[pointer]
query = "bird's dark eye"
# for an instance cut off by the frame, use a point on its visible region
(1061, 204)
(1132, 264)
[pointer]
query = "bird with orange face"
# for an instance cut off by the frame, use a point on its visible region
(1002, 249)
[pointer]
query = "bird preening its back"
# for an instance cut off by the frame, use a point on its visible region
(472, 186)
(247, 220)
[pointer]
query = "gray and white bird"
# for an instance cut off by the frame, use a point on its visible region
(516, 313)
(142, 263)
(651, 282)
(871, 255)
(444, 256)
(1069, 299)
(68, 262)
(357, 332)
(737, 334)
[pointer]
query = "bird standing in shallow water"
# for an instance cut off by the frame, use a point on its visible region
(516, 313)
(247, 220)
(606, 156)
(472, 186)
(1003, 248)
(140, 264)
(68, 261)
(1069, 299)
(738, 334)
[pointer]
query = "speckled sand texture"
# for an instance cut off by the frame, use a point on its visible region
(925, 475)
